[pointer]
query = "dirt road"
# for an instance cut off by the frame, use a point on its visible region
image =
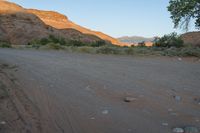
(82, 93)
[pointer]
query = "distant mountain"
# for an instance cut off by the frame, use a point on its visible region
(134, 39)
(19, 25)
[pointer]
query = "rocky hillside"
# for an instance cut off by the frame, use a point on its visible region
(19, 26)
(191, 38)
(60, 21)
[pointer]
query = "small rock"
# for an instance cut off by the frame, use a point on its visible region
(174, 114)
(197, 100)
(87, 88)
(2, 122)
(170, 110)
(129, 99)
(180, 59)
(191, 130)
(178, 130)
(105, 112)
(92, 118)
(177, 98)
(141, 95)
(165, 124)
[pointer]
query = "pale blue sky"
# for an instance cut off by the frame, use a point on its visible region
(114, 17)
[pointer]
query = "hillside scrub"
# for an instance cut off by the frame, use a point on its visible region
(183, 51)
(167, 49)
(61, 41)
(138, 51)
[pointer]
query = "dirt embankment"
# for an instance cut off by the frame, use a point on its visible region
(191, 38)
(18, 115)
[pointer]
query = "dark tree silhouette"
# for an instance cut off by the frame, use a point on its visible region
(183, 11)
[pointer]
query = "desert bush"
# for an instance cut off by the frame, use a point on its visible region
(171, 40)
(99, 43)
(109, 50)
(4, 44)
(190, 51)
(76, 43)
(62, 41)
(138, 51)
(53, 39)
(55, 46)
(170, 52)
(182, 52)
(44, 41)
(129, 51)
(87, 49)
(36, 46)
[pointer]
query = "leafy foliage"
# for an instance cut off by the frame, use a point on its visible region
(182, 11)
(171, 40)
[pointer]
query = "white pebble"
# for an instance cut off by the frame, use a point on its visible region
(105, 112)
(3, 123)
(165, 124)
(178, 130)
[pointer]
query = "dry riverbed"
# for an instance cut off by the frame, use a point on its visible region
(59, 92)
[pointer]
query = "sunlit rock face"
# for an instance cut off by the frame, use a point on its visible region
(19, 26)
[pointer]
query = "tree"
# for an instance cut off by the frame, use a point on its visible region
(183, 11)
(171, 40)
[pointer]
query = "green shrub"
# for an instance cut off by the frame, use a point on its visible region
(171, 40)
(62, 41)
(109, 50)
(76, 43)
(183, 52)
(55, 46)
(5, 44)
(44, 41)
(190, 51)
(35, 45)
(53, 39)
(99, 43)
(87, 49)
(170, 52)
(129, 51)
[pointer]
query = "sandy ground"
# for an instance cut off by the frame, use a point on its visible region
(59, 92)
